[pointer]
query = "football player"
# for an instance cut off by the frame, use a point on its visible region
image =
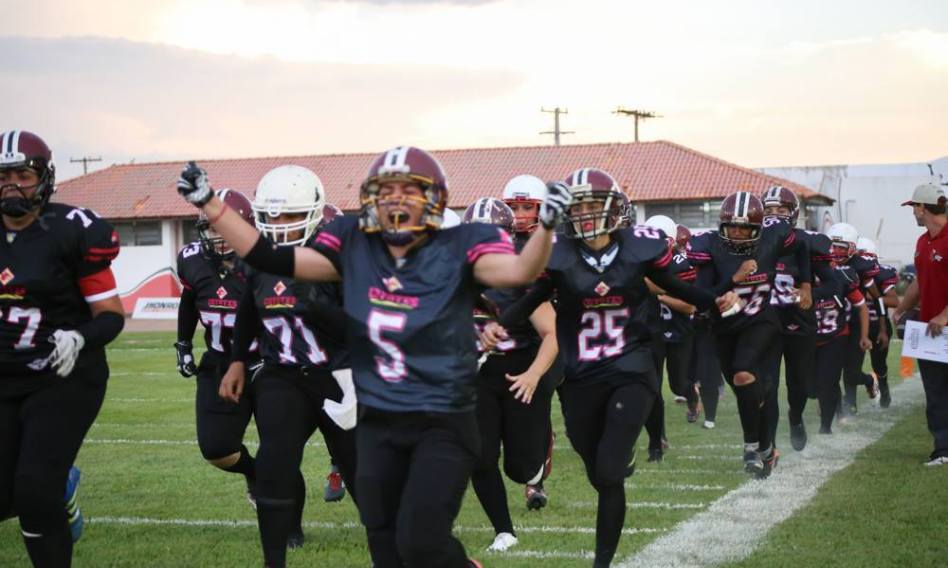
(743, 254)
(211, 291)
(792, 298)
(880, 327)
(514, 392)
(844, 237)
(597, 273)
(305, 363)
(59, 307)
(409, 293)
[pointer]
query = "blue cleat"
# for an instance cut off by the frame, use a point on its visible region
(73, 514)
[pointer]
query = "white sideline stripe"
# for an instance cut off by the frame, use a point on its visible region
(737, 523)
(250, 425)
(581, 555)
(149, 400)
(241, 523)
(130, 442)
(641, 505)
(143, 374)
(659, 469)
(676, 487)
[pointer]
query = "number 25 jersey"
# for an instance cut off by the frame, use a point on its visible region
(411, 325)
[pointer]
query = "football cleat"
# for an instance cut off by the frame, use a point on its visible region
(885, 397)
(769, 463)
(536, 497)
(73, 513)
(752, 462)
(656, 455)
(872, 389)
(502, 542)
(798, 436)
(936, 461)
(708, 425)
(295, 538)
(335, 487)
(826, 430)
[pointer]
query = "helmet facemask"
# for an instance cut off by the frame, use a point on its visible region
(740, 245)
(587, 223)
(399, 228)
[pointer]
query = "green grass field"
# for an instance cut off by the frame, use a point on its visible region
(150, 500)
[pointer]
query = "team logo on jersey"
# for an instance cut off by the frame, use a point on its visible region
(380, 297)
(6, 276)
(221, 292)
(279, 287)
(602, 288)
(392, 284)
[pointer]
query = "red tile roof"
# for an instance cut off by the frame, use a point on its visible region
(647, 171)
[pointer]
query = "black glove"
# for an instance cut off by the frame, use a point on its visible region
(185, 359)
(556, 204)
(192, 185)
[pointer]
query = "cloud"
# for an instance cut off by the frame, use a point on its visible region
(124, 100)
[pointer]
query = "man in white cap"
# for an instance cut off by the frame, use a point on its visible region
(930, 292)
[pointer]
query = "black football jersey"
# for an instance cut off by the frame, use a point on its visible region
(411, 322)
(600, 304)
(717, 263)
(45, 275)
(521, 335)
(289, 334)
(217, 292)
(866, 267)
(791, 272)
(833, 300)
(666, 323)
(886, 279)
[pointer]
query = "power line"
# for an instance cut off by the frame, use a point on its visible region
(556, 132)
(85, 162)
(636, 116)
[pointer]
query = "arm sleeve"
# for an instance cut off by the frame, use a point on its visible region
(246, 327)
(330, 318)
(98, 242)
(187, 315)
(520, 311)
(272, 259)
(701, 298)
(803, 258)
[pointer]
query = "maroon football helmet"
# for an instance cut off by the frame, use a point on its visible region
(593, 185)
(330, 212)
(212, 244)
(625, 219)
(683, 236)
(780, 196)
(410, 165)
(492, 211)
(22, 149)
(742, 210)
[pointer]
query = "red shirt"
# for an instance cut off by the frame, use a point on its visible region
(931, 264)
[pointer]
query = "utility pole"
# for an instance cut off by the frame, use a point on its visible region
(636, 116)
(85, 162)
(556, 132)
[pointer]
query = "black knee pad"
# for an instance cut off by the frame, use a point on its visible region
(520, 470)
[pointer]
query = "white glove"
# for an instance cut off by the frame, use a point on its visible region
(67, 344)
(344, 413)
(193, 186)
(733, 310)
(555, 205)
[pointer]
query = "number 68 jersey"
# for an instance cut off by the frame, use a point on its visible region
(49, 273)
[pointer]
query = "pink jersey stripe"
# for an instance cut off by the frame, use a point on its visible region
(481, 249)
(330, 241)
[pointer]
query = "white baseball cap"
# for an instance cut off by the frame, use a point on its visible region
(927, 194)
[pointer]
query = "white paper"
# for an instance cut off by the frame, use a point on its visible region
(921, 346)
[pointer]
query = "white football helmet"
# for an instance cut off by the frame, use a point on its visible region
(525, 189)
(845, 236)
(866, 245)
(665, 223)
(450, 219)
(291, 190)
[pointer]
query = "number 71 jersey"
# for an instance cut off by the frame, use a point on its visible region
(49, 273)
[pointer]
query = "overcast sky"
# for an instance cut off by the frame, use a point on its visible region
(756, 82)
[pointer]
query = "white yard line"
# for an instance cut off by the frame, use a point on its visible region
(640, 505)
(676, 487)
(734, 525)
(130, 442)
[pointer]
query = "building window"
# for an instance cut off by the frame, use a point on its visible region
(189, 232)
(692, 214)
(139, 233)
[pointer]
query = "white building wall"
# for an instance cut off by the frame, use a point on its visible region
(135, 264)
(869, 197)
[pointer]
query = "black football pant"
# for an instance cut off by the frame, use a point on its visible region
(221, 423)
(40, 435)
(288, 408)
(413, 470)
(879, 356)
(705, 369)
(799, 359)
(935, 382)
(853, 376)
(603, 421)
(830, 360)
(677, 357)
(523, 429)
(750, 350)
